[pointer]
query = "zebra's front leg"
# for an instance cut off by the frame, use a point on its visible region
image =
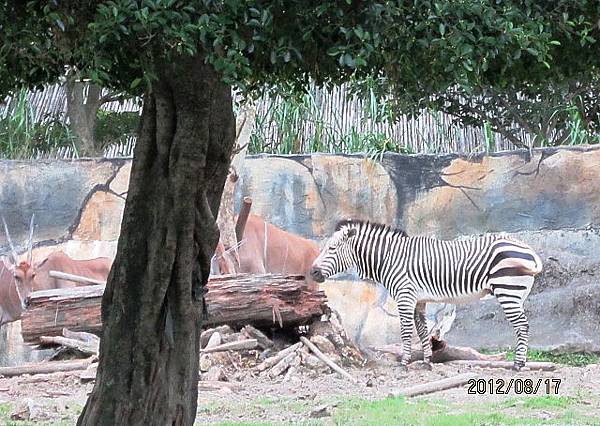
(406, 312)
(421, 326)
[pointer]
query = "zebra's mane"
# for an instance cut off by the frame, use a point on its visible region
(366, 223)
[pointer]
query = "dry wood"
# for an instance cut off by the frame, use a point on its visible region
(81, 335)
(75, 278)
(214, 340)
(290, 373)
(236, 300)
(284, 364)
(85, 347)
(326, 359)
(242, 219)
(211, 385)
(238, 345)
(254, 333)
(436, 386)
(271, 361)
(89, 374)
(46, 367)
(543, 366)
(446, 353)
(54, 393)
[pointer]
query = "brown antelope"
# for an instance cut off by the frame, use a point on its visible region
(266, 248)
(19, 279)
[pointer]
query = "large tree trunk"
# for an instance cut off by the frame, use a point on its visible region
(152, 307)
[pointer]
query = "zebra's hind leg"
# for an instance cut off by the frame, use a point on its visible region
(421, 326)
(406, 312)
(511, 296)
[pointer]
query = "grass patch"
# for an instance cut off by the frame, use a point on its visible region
(5, 420)
(549, 401)
(574, 359)
(399, 411)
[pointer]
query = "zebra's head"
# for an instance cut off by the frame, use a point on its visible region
(336, 254)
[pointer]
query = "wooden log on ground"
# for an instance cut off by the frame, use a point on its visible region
(271, 361)
(46, 367)
(436, 386)
(212, 385)
(442, 352)
(326, 359)
(238, 345)
(291, 359)
(236, 300)
(253, 333)
(84, 342)
(84, 347)
(531, 365)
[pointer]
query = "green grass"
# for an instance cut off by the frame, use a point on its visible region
(7, 409)
(575, 359)
(431, 412)
(398, 411)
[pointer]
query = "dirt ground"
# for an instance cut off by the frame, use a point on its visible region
(307, 397)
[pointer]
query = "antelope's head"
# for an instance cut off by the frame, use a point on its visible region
(23, 272)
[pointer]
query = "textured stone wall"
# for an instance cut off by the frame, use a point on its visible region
(549, 199)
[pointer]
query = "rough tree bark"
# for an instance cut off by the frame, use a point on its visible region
(82, 110)
(152, 307)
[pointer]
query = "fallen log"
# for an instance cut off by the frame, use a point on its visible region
(84, 342)
(253, 333)
(442, 352)
(290, 360)
(84, 347)
(46, 367)
(212, 385)
(436, 386)
(239, 345)
(326, 359)
(236, 300)
(531, 365)
(271, 361)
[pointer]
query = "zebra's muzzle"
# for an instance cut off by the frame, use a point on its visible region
(316, 274)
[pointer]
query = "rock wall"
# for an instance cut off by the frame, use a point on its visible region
(549, 198)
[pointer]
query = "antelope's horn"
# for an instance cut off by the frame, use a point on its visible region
(15, 259)
(30, 243)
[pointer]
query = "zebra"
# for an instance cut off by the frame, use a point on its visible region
(418, 270)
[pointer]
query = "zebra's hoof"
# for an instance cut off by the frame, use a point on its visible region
(518, 365)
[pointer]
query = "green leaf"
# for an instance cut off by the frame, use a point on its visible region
(135, 83)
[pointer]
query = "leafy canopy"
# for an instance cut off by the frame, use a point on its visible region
(416, 48)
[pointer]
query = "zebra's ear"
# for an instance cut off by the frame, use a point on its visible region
(351, 232)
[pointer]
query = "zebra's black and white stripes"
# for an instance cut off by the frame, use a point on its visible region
(417, 270)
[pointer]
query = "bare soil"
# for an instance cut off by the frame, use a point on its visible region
(305, 397)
